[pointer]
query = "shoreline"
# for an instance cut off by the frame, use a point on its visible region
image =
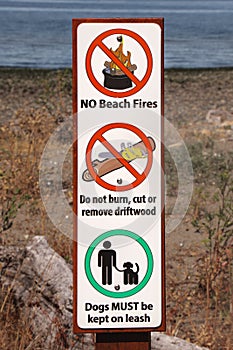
(171, 69)
(190, 93)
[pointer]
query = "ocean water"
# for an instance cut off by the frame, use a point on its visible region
(37, 33)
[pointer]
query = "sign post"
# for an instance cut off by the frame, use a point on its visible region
(119, 262)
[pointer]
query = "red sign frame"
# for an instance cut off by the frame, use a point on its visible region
(76, 23)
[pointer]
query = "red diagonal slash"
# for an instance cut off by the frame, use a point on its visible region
(119, 157)
(98, 136)
(98, 42)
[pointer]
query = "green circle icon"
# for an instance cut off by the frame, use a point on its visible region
(132, 291)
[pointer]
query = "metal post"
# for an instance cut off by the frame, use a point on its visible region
(123, 341)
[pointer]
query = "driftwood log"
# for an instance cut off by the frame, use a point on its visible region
(41, 284)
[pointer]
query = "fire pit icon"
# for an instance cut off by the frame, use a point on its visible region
(114, 77)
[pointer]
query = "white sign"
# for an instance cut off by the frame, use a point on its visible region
(120, 261)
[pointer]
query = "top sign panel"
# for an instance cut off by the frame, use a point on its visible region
(123, 61)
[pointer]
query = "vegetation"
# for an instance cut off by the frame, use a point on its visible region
(199, 262)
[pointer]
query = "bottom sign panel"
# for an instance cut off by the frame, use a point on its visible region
(123, 280)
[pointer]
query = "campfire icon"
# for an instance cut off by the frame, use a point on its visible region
(114, 77)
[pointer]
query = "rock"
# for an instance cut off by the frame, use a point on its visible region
(45, 285)
(41, 282)
(218, 117)
(42, 287)
(166, 342)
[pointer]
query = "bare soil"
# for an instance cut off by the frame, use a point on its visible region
(199, 103)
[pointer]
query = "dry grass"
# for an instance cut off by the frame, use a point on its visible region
(205, 287)
(40, 106)
(199, 276)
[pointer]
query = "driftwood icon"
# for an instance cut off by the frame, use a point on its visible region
(109, 164)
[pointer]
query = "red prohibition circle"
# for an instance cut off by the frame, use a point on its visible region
(98, 136)
(99, 43)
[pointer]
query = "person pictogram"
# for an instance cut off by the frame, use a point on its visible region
(106, 260)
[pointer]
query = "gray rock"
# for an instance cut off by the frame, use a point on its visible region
(41, 282)
(166, 342)
(43, 288)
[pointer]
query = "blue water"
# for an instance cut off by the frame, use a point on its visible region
(37, 33)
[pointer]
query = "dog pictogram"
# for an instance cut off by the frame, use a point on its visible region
(130, 276)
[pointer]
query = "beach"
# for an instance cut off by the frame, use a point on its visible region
(189, 93)
(199, 104)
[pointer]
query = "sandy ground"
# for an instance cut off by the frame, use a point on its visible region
(33, 103)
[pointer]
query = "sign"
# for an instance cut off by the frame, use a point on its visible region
(140, 149)
(118, 175)
(107, 263)
(98, 42)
